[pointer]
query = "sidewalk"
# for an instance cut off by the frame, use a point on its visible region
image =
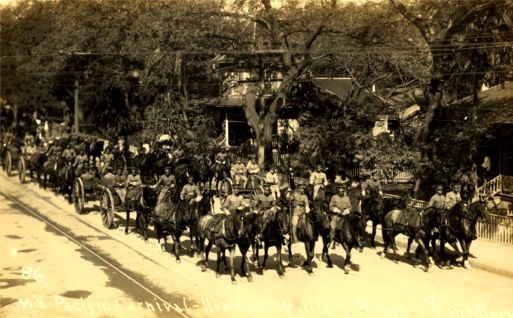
(487, 255)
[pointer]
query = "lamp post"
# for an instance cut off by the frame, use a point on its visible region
(76, 109)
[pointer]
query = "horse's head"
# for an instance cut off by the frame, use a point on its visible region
(432, 218)
(477, 211)
(283, 220)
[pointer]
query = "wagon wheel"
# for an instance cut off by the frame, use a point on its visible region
(226, 187)
(8, 163)
(21, 170)
(107, 208)
(78, 195)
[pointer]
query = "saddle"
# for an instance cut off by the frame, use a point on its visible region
(410, 218)
(215, 226)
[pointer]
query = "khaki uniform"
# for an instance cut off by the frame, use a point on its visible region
(300, 205)
(274, 180)
(437, 201)
(238, 171)
(192, 194)
(340, 205)
(232, 202)
(166, 183)
(318, 180)
(451, 199)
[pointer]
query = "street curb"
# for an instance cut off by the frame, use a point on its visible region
(506, 272)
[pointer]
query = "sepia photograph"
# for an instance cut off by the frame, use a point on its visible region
(256, 158)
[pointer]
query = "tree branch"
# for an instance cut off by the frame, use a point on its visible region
(410, 17)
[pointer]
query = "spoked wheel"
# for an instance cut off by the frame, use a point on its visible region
(8, 163)
(21, 170)
(226, 187)
(107, 208)
(78, 196)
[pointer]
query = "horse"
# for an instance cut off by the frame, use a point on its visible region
(350, 233)
(417, 225)
(372, 209)
(321, 221)
(272, 235)
(143, 206)
(227, 232)
(461, 223)
(66, 177)
(307, 233)
(94, 149)
(173, 216)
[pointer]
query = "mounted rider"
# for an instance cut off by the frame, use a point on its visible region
(266, 205)
(107, 158)
(68, 154)
(191, 193)
(318, 180)
(340, 205)
(80, 160)
(232, 202)
(166, 182)
(372, 184)
(238, 172)
(438, 199)
(273, 180)
(253, 170)
(133, 186)
(300, 205)
(355, 195)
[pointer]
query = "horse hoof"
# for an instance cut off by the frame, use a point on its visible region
(178, 261)
(250, 279)
(346, 271)
(466, 265)
(234, 282)
(383, 256)
(203, 268)
(310, 273)
(330, 266)
(281, 275)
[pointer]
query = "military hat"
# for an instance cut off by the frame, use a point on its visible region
(439, 187)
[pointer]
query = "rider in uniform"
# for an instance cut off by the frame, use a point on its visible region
(372, 184)
(265, 204)
(107, 158)
(191, 193)
(253, 169)
(80, 160)
(438, 199)
(300, 205)
(68, 154)
(340, 205)
(232, 202)
(238, 171)
(166, 181)
(318, 180)
(273, 180)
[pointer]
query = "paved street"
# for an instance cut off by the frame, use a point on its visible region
(56, 263)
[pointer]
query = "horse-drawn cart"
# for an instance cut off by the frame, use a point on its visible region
(110, 203)
(11, 155)
(25, 163)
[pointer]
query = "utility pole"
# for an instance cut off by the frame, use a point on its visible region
(76, 108)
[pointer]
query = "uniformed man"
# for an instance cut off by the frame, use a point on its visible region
(273, 180)
(80, 160)
(265, 204)
(107, 158)
(238, 172)
(300, 205)
(340, 205)
(166, 181)
(221, 157)
(253, 170)
(88, 174)
(372, 184)
(191, 193)
(69, 153)
(453, 197)
(109, 179)
(232, 202)
(438, 199)
(318, 180)
(355, 195)
(133, 185)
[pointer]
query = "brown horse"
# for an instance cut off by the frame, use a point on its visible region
(414, 224)
(227, 232)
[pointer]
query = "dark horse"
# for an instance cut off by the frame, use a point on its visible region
(350, 233)
(307, 233)
(372, 209)
(226, 232)
(461, 226)
(143, 205)
(93, 149)
(173, 216)
(66, 176)
(272, 232)
(417, 225)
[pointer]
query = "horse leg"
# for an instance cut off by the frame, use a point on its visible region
(266, 255)
(309, 248)
(218, 274)
(325, 250)
(245, 269)
(410, 240)
(281, 270)
(373, 235)
(290, 251)
(232, 269)
(127, 220)
(176, 242)
(256, 258)
(347, 260)
(420, 242)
